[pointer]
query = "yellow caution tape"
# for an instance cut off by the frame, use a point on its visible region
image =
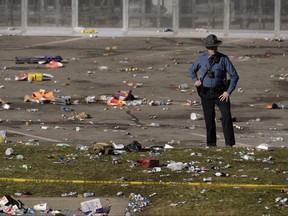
(193, 184)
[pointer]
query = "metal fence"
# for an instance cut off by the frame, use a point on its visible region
(171, 18)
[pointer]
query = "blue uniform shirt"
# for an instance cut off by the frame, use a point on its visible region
(220, 70)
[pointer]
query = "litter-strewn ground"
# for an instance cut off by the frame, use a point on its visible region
(72, 205)
(159, 66)
(158, 182)
(156, 70)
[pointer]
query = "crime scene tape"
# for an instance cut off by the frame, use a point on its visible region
(192, 184)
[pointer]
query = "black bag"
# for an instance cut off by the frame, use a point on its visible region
(135, 146)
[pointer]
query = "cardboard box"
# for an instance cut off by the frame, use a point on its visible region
(63, 100)
(90, 205)
(148, 162)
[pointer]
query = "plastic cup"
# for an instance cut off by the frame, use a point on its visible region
(196, 116)
(41, 207)
(9, 151)
(19, 157)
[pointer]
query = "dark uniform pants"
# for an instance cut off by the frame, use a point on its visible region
(209, 100)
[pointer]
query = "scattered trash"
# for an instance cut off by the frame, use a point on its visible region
(6, 106)
(19, 157)
(276, 106)
(32, 110)
(3, 138)
(103, 67)
(196, 154)
(248, 157)
(115, 160)
(82, 147)
(62, 145)
(88, 194)
(276, 139)
(94, 207)
(137, 203)
(148, 162)
(135, 146)
(22, 194)
(281, 201)
(66, 109)
(37, 59)
(176, 166)
(168, 30)
(183, 86)
(12, 206)
(41, 208)
(265, 146)
(25, 166)
(208, 179)
(167, 146)
(88, 31)
(120, 193)
(221, 174)
(69, 194)
(31, 77)
(102, 148)
(156, 169)
(44, 127)
(238, 127)
(9, 151)
(154, 124)
(62, 100)
(240, 90)
(153, 194)
(91, 99)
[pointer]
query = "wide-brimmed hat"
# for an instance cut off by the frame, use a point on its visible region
(211, 41)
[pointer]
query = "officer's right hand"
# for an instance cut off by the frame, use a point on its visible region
(198, 83)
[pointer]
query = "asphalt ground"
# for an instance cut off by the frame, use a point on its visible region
(72, 205)
(159, 66)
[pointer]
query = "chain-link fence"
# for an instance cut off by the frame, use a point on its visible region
(181, 18)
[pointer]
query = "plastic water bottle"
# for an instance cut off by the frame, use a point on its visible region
(62, 145)
(220, 174)
(88, 194)
(155, 124)
(103, 67)
(25, 166)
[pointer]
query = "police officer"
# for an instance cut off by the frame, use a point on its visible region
(214, 88)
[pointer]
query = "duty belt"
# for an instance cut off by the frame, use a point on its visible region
(213, 89)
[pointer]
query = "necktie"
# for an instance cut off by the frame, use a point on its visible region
(211, 59)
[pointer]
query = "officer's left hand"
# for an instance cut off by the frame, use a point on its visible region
(224, 96)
